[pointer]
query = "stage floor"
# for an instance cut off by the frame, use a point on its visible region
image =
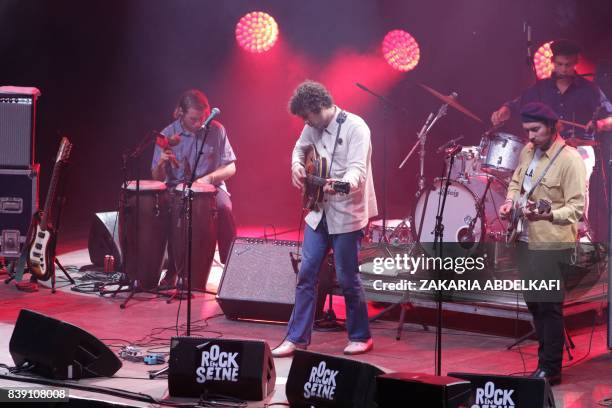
(150, 322)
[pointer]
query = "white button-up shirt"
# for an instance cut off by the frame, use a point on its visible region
(352, 163)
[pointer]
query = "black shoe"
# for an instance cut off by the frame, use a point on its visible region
(553, 379)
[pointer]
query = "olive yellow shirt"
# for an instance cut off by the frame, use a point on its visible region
(563, 184)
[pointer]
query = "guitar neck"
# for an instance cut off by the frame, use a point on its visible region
(316, 180)
(50, 196)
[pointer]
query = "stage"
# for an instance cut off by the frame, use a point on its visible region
(148, 321)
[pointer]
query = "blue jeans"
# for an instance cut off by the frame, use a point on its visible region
(346, 248)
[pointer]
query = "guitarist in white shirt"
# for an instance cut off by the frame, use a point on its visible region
(343, 139)
(554, 173)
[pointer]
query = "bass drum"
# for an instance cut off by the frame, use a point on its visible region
(459, 211)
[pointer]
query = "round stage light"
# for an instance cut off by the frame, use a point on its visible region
(257, 32)
(401, 50)
(542, 60)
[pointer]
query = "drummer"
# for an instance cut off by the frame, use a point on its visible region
(173, 164)
(572, 98)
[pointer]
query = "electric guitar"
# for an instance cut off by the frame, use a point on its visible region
(41, 249)
(317, 173)
(517, 220)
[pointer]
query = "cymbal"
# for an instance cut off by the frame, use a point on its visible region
(451, 102)
(575, 142)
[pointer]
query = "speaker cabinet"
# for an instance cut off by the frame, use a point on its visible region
(235, 368)
(59, 350)
(321, 380)
(421, 390)
(104, 238)
(17, 127)
(507, 391)
(259, 279)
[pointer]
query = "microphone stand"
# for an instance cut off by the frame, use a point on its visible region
(188, 206)
(133, 284)
(422, 140)
(387, 104)
(437, 246)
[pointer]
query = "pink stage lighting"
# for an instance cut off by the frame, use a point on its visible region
(401, 50)
(543, 61)
(257, 32)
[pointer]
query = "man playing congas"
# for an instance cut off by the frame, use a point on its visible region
(172, 165)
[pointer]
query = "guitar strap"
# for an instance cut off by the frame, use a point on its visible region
(341, 118)
(543, 173)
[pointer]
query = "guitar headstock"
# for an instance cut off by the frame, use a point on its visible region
(63, 154)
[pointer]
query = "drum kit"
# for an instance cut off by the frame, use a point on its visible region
(477, 185)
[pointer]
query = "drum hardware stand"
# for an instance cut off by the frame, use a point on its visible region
(133, 285)
(568, 343)
(466, 235)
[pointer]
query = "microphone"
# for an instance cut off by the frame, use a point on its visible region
(447, 144)
(453, 150)
(213, 114)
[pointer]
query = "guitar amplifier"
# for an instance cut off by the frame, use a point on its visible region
(18, 202)
(17, 126)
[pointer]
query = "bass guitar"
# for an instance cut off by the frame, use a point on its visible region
(41, 248)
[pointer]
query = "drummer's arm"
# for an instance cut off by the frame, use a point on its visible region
(219, 175)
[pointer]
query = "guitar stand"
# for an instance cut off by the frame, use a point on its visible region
(64, 271)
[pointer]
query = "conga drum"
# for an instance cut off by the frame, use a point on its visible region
(204, 233)
(144, 231)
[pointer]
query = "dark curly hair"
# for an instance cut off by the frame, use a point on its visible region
(310, 96)
(565, 47)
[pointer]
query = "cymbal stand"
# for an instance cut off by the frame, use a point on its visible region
(422, 141)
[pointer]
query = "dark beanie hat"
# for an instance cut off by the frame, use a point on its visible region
(538, 112)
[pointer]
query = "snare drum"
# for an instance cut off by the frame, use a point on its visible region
(398, 232)
(144, 231)
(502, 154)
(204, 233)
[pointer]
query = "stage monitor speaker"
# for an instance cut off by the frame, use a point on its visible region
(233, 368)
(507, 391)
(421, 390)
(258, 280)
(104, 238)
(17, 126)
(59, 350)
(321, 380)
